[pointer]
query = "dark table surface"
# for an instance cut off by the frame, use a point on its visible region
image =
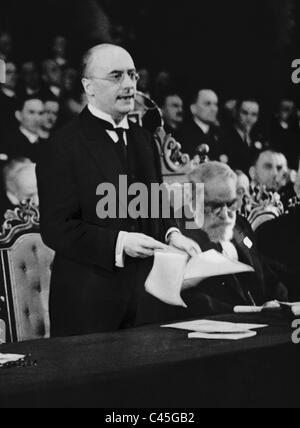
(154, 367)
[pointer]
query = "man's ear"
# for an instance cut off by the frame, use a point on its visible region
(193, 109)
(252, 173)
(88, 86)
(18, 115)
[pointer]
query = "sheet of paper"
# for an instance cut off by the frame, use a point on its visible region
(236, 336)
(10, 358)
(172, 273)
(269, 306)
(212, 263)
(166, 278)
(209, 326)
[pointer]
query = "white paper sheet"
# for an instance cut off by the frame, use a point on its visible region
(236, 336)
(208, 326)
(10, 358)
(172, 273)
(166, 278)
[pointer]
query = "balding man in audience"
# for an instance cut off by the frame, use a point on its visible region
(225, 231)
(19, 185)
(202, 128)
(101, 260)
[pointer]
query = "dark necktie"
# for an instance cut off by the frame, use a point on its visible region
(120, 145)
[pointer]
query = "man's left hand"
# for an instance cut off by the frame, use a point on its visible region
(182, 243)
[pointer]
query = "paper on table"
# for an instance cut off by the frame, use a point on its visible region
(236, 336)
(269, 306)
(10, 358)
(209, 326)
(171, 272)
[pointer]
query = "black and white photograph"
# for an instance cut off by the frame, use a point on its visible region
(149, 207)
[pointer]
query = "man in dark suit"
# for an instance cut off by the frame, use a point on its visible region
(24, 141)
(223, 230)
(243, 142)
(101, 259)
(201, 128)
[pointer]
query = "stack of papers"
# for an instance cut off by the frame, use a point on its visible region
(216, 330)
(172, 273)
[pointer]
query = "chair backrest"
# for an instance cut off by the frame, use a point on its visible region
(25, 271)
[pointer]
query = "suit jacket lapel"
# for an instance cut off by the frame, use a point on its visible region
(100, 147)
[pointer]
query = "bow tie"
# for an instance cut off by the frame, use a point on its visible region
(110, 127)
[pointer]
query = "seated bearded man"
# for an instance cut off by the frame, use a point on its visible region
(223, 229)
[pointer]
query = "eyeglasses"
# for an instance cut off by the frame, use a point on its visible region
(118, 77)
(217, 207)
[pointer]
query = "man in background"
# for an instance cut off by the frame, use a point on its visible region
(173, 114)
(202, 127)
(49, 118)
(19, 185)
(270, 170)
(24, 141)
(242, 140)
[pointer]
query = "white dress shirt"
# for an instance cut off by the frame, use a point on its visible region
(203, 126)
(33, 138)
(120, 253)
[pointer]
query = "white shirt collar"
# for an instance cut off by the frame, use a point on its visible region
(104, 116)
(55, 91)
(205, 128)
(9, 92)
(33, 138)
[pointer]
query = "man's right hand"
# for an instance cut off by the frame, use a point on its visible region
(141, 246)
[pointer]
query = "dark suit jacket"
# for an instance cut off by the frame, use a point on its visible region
(8, 121)
(240, 154)
(221, 294)
(279, 240)
(88, 293)
(18, 146)
(192, 136)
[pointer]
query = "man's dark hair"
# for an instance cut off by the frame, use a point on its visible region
(165, 96)
(258, 154)
(22, 101)
(241, 101)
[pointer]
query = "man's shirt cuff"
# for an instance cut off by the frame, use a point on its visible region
(120, 255)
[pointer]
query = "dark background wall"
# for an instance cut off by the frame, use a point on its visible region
(236, 46)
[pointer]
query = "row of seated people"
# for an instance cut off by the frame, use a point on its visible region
(235, 133)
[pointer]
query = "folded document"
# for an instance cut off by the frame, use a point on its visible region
(172, 272)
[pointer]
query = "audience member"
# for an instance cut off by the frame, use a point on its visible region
(270, 170)
(172, 111)
(24, 141)
(52, 77)
(30, 84)
(202, 129)
(242, 140)
(243, 187)
(6, 46)
(59, 51)
(8, 100)
(19, 185)
(49, 118)
(283, 136)
(144, 82)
